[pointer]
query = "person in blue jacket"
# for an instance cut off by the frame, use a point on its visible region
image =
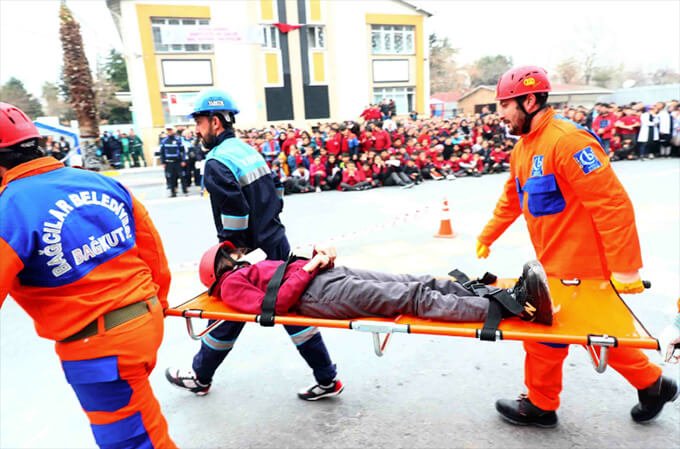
(246, 203)
(173, 158)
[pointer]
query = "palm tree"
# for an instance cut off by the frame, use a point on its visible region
(78, 78)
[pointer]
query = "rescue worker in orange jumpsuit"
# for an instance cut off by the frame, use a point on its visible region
(81, 256)
(581, 224)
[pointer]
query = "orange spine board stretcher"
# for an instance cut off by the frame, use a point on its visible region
(588, 313)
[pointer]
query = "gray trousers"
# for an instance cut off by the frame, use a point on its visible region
(343, 292)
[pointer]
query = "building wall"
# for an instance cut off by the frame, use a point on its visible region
(352, 60)
(646, 94)
(587, 100)
(289, 84)
(482, 96)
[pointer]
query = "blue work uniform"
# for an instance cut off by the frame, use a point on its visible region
(245, 200)
(246, 204)
(172, 154)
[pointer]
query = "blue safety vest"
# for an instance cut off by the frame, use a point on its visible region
(249, 217)
(65, 223)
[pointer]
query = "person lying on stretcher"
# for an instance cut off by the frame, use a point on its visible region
(317, 288)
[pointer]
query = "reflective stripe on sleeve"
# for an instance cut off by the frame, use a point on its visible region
(235, 222)
(254, 175)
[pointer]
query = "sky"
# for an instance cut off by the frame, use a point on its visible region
(641, 34)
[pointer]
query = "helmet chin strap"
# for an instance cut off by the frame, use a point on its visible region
(526, 127)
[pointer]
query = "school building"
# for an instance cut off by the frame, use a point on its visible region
(290, 61)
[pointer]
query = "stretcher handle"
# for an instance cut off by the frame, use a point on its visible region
(599, 362)
(577, 281)
(200, 335)
(378, 346)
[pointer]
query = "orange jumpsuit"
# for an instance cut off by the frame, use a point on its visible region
(75, 245)
(581, 224)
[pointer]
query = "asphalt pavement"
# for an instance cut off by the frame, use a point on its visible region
(425, 392)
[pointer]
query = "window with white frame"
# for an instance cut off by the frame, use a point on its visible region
(181, 35)
(404, 98)
(316, 36)
(393, 39)
(270, 36)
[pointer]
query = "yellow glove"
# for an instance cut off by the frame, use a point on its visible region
(627, 282)
(482, 250)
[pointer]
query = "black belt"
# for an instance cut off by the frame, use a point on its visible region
(113, 318)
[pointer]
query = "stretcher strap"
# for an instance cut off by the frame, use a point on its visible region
(464, 279)
(459, 276)
(269, 301)
(493, 319)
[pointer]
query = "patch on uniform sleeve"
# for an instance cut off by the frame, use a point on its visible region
(537, 165)
(587, 160)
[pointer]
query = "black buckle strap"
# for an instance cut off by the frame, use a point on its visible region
(477, 288)
(269, 302)
(494, 315)
(497, 300)
(464, 279)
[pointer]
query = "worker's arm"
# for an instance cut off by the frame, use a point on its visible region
(583, 163)
(506, 212)
(10, 266)
(231, 210)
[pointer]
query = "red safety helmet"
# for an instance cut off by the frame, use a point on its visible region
(522, 81)
(206, 269)
(15, 126)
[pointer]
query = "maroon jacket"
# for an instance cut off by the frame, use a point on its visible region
(246, 286)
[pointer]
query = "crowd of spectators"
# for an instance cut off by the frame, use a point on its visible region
(633, 131)
(58, 149)
(383, 150)
(121, 150)
(380, 149)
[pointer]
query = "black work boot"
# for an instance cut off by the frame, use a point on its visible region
(532, 293)
(653, 398)
(523, 413)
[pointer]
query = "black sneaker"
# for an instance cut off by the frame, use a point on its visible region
(532, 293)
(653, 398)
(316, 392)
(186, 380)
(523, 413)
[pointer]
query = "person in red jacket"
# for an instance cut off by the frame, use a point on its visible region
(366, 113)
(582, 225)
(289, 141)
(500, 160)
(382, 138)
(628, 127)
(353, 178)
(81, 256)
(366, 141)
(603, 125)
(470, 164)
(318, 288)
(333, 143)
(317, 172)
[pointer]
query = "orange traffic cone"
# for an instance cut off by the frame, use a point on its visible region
(445, 229)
